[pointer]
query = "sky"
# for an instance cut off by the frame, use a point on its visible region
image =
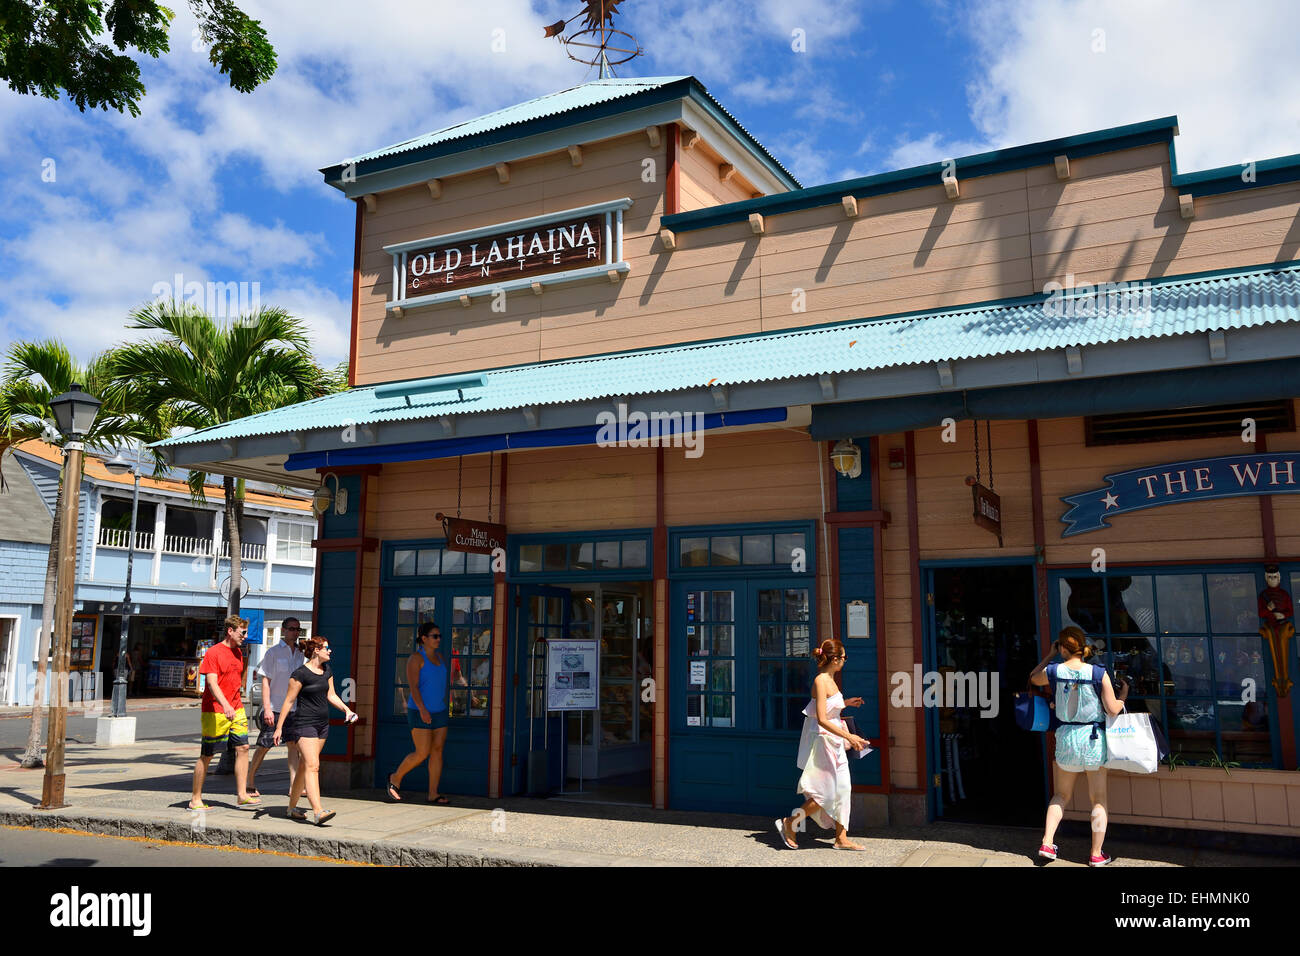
(103, 213)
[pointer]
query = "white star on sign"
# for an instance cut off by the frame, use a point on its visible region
(1111, 501)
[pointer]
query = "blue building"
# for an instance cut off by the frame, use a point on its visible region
(180, 578)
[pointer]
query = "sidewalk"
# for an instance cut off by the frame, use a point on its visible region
(143, 791)
(105, 707)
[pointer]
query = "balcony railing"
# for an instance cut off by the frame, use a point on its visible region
(121, 538)
(247, 551)
(177, 544)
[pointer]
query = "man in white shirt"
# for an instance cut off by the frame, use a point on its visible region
(277, 664)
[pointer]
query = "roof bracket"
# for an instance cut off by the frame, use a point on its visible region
(668, 239)
(575, 155)
(1062, 167)
(536, 287)
(397, 311)
(435, 188)
(652, 132)
(850, 204)
(1218, 345)
(464, 301)
(1073, 359)
(945, 374)
(503, 173)
(689, 138)
(756, 224)
(371, 201)
(726, 171)
(827, 383)
(951, 187)
(1185, 206)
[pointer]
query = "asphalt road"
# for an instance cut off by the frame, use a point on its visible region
(176, 725)
(45, 848)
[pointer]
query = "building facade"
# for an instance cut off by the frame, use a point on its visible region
(612, 322)
(179, 581)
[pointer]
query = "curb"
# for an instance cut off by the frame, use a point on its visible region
(449, 852)
(10, 712)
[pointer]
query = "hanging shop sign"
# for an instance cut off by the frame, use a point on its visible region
(987, 509)
(474, 537)
(572, 675)
(564, 246)
(1199, 480)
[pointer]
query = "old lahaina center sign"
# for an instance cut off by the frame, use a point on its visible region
(555, 247)
(1198, 480)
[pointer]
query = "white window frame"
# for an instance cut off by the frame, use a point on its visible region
(309, 530)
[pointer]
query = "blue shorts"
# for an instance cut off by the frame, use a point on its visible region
(437, 720)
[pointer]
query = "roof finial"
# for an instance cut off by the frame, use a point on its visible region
(598, 35)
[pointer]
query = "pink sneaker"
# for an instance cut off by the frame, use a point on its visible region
(1099, 860)
(1047, 851)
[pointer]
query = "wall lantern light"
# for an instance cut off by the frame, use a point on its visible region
(322, 496)
(847, 458)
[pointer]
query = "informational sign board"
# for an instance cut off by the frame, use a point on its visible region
(572, 675)
(698, 673)
(859, 619)
(256, 625)
(988, 509)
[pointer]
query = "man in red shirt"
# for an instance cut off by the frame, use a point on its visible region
(223, 712)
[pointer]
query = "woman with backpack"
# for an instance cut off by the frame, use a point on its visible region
(1082, 697)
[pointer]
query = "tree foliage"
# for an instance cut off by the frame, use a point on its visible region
(81, 48)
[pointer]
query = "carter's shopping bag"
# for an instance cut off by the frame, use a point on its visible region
(1131, 744)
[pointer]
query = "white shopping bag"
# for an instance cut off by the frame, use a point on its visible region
(1131, 743)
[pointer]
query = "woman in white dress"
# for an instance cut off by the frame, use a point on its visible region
(822, 754)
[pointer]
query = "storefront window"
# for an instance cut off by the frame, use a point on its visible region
(583, 556)
(711, 646)
(785, 665)
(752, 551)
(471, 649)
(1189, 644)
(432, 562)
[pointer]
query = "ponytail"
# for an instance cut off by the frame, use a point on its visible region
(828, 651)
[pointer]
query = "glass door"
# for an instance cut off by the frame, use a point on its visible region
(538, 745)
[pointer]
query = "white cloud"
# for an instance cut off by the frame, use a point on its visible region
(1048, 69)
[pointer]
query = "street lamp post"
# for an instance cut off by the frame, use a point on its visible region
(74, 414)
(120, 466)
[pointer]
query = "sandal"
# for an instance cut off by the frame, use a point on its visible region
(201, 806)
(251, 803)
(297, 813)
(441, 800)
(780, 829)
(320, 819)
(394, 795)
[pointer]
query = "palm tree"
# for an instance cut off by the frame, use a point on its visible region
(202, 373)
(34, 374)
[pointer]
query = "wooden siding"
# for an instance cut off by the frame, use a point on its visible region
(700, 184)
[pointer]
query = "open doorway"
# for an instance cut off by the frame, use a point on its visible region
(984, 624)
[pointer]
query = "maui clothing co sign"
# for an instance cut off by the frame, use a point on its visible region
(528, 253)
(1199, 480)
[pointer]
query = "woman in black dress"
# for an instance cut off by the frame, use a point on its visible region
(312, 686)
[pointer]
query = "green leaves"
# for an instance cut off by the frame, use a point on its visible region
(53, 46)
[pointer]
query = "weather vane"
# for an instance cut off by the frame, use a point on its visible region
(594, 41)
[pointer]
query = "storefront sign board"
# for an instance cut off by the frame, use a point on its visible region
(987, 509)
(572, 675)
(475, 537)
(1200, 479)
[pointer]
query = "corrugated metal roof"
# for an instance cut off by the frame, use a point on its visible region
(1241, 299)
(588, 94)
(554, 104)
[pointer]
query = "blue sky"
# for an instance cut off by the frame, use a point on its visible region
(220, 186)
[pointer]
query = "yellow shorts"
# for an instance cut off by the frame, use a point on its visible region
(218, 728)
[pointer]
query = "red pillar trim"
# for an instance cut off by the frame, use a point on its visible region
(1040, 539)
(833, 536)
(882, 664)
(672, 184)
(354, 341)
(661, 573)
(918, 601)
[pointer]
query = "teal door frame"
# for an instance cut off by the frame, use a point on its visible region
(547, 731)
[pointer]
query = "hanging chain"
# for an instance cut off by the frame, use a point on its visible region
(460, 464)
(977, 451)
(988, 440)
(490, 457)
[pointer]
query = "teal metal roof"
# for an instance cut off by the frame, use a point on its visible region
(1226, 300)
(553, 104)
(593, 100)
